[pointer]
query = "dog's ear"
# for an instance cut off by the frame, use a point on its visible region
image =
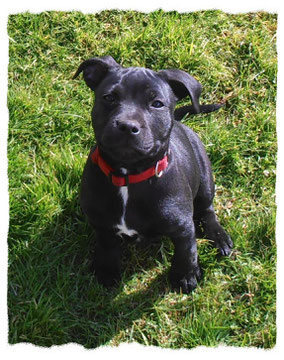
(95, 69)
(183, 85)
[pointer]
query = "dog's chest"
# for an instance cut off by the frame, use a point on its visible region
(122, 228)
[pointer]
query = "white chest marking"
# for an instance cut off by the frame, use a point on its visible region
(122, 227)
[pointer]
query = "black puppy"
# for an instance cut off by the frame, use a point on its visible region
(148, 176)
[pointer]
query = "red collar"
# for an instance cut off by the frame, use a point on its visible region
(128, 179)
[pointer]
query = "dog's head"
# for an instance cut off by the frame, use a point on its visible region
(133, 111)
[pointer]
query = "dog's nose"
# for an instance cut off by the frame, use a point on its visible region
(131, 127)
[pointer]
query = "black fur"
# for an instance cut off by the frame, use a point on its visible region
(134, 121)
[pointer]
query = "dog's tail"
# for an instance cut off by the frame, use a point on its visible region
(189, 110)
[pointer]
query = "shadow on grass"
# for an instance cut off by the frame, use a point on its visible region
(54, 297)
(122, 312)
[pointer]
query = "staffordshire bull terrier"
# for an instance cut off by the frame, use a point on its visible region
(148, 175)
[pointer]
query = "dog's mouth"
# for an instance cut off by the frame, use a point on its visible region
(126, 148)
(127, 154)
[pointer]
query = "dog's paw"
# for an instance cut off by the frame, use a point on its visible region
(185, 282)
(223, 243)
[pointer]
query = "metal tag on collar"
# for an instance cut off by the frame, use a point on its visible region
(158, 175)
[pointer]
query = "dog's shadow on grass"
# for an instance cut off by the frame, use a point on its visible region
(121, 312)
(92, 315)
(124, 312)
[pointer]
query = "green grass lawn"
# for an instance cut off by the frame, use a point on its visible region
(53, 297)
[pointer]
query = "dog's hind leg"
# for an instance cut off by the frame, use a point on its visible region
(212, 230)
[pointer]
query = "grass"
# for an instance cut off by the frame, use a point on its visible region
(53, 297)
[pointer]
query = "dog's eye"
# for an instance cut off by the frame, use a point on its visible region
(109, 98)
(157, 104)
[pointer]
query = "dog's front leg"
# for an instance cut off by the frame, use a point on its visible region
(107, 258)
(185, 271)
